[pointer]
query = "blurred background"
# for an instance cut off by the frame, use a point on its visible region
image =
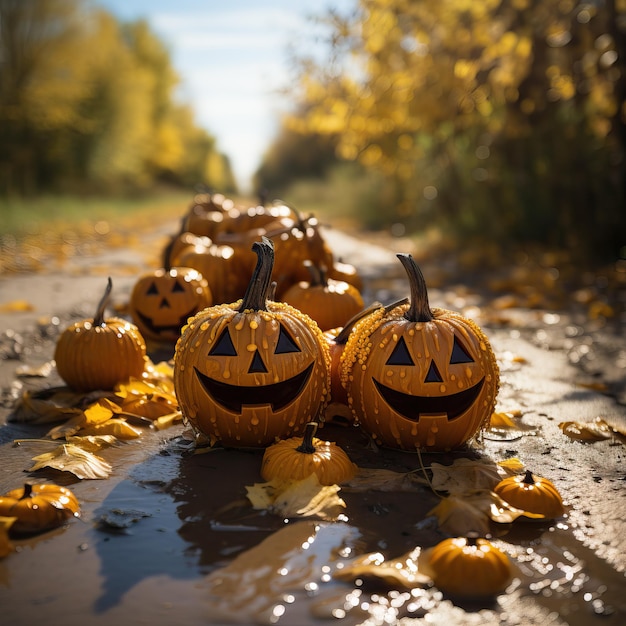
(492, 124)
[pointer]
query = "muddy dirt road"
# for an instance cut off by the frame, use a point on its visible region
(170, 538)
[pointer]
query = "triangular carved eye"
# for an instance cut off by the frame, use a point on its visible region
(459, 354)
(223, 346)
(152, 290)
(178, 288)
(257, 365)
(285, 343)
(400, 354)
(433, 375)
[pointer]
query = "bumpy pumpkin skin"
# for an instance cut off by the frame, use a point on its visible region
(419, 378)
(253, 371)
(531, 493)
(163, 301)
(403, 388)
(39, 507)
(467, 568)
(230, 366)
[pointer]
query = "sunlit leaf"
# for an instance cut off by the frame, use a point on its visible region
(115, 426)
(512, 466)
(68, 428)
(93, 443)
(167, 421)
(400, 573)
(28, 371)
(72, 458)
(598, 430)
(460, 515)
(297, 498)
(16, 306)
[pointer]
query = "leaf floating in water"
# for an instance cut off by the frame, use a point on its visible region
(465, 476)
(400, 573)
(297, 498)
(72, 458)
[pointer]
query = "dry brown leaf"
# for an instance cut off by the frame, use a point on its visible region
(372, 479)
(72, 458)
(465, 476)
(473, 513)
(35, 409)
(297, 498)
(400, 573)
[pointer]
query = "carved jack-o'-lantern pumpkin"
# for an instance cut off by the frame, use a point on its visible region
(163, 301)
(418, 378)
(253, 371)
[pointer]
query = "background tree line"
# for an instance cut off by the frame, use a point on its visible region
(87, 104)
(498, 119)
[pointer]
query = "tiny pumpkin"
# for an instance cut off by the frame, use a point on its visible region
(252, 371)
(531, 493)
(162, 301)
(39, 507)
(330, 302)
(100, 353)
(297, 458)
(467, 567)
(419, 378)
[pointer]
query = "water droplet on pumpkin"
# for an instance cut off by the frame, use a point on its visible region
(430, 440)
(442, 388)
(251, 347)
(254, 420)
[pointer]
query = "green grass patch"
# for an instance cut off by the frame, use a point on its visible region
(24, 217)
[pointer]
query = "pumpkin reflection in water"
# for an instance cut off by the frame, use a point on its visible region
(253, 371)
(419, 378)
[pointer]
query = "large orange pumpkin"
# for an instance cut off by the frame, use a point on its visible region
(253, 371)
(162, 301)
(419, 378)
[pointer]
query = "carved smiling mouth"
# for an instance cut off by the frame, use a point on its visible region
(235, 397)
(175, 328)
(413, 407)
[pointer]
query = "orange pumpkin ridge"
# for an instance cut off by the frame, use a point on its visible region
(253, 371)
(419, 377)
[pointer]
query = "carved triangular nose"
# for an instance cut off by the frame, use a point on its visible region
(257, 365)
(164, 304)
(433, 375)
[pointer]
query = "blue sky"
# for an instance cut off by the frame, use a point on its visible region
(232, 57)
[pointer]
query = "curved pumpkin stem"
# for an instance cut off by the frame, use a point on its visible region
(344, 333)
(419, 311)
(255, 297)
(317, 274)
(307, 446)
(528, 479)
(28, 490)
(98, 318)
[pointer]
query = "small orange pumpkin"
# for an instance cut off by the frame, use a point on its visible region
(162, 301)
(39, 507)
(467, 567)
(99, 354)
(252, 371)
(531, 493)
(299, 457)
(331, 303)
(419, 378)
